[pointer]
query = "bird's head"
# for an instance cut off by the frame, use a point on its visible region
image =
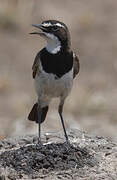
(55, 32)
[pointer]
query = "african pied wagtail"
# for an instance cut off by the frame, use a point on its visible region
(54, 69)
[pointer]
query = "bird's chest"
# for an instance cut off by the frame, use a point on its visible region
(49, 84)
(58, 64)
(56, 74)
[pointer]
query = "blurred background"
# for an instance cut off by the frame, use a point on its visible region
(92, 104)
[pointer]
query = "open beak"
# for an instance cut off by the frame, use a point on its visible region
(39, 26)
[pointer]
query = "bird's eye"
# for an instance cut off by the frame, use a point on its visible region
(54, 28)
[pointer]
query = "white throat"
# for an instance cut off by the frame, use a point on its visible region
(53, 43)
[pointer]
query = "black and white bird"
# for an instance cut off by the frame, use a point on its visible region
(54, 69)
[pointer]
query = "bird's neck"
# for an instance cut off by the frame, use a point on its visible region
(54, 46)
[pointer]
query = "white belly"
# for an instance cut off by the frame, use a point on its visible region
(47, 86)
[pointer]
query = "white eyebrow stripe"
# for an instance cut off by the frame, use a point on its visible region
(60, 25)
(47, 24)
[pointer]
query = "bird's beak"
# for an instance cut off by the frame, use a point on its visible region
(39, 26)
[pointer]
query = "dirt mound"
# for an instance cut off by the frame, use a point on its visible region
(86, 157)
(32, 158)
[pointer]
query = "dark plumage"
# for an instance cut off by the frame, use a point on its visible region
(33, 115)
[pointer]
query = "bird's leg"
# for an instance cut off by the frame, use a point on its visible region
(60, 110)
(39, 124)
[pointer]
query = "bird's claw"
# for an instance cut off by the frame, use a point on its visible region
(40, 144)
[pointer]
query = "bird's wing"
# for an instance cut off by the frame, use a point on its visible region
(36, 65)
(76, 65)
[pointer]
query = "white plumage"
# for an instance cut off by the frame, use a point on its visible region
(53, 44)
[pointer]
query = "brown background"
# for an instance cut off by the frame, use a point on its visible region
(92, 105)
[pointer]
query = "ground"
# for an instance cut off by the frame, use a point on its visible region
(86, 157)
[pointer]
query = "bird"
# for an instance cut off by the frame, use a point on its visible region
(54, 69)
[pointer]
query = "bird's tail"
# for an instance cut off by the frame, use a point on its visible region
(33, 115)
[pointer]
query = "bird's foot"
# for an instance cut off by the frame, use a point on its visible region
(67, 145)
(39, 143)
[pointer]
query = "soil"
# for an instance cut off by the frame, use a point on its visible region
(85, 157)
